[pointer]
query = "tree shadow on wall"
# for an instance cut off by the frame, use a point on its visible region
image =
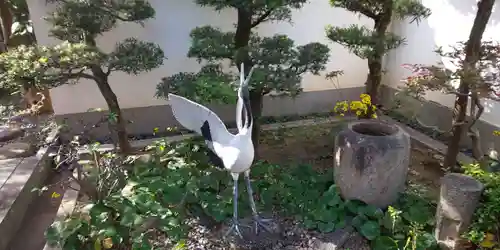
(469, 7)
(419, 49)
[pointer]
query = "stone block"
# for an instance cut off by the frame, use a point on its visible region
(10, 133)
(459, 198)
(16, 150)
(19, 177)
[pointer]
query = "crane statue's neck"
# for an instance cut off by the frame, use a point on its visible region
(244, 141)
(246, 133)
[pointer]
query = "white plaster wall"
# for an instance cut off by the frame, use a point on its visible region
(171, 28)
(450, 22)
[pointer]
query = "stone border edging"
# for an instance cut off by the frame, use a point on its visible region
(67, 207)
(140, 144)
(30, 173)
(427, 141)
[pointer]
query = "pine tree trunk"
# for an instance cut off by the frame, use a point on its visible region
(375, 62)
(472, 50)
(3, 46)
(114, 107)
(241, 39)
(101, 80)
(256, 103)
(6, 19)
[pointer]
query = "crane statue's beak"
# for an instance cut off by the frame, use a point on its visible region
(244, 81)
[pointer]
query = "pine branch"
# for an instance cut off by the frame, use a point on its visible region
(262, 18)
(368, 9)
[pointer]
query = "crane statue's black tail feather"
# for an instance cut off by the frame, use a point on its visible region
(214, 159)
(207, 135)
(205, 131)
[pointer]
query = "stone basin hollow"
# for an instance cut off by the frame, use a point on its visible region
(374, 128)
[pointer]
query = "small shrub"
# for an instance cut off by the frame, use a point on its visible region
(485, 226)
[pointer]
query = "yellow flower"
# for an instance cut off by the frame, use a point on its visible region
(55, 195)
(496, 132)
(355, 105)
(345, 107)
(341, 107)
(43, 60)
(360, 107)
(365, 98)
(489, 241)
(336, 108)
(107, 243)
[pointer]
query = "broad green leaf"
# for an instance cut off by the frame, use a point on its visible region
(353, 206)
(70, 227)
(334, 200)
(97, 244)
(129, 215)
(358, 221)
(372, 211)
(384, 243)
(310, 224)
(417, 214)
(425, 241)
(109, 231)
(326, 227)
(370, 230)
(341, 224)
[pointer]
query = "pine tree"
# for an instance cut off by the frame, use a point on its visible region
(373, 44)
(279, 63)
(78, 24)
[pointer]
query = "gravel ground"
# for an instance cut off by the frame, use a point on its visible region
(286, 235)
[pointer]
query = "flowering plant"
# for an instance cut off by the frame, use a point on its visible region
(362, 108)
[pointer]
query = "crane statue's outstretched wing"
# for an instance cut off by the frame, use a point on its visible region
(194, 116)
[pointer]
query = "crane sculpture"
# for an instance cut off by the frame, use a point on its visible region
(232, 152)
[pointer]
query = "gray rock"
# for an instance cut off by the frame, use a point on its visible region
(458, 200)
(286, 235)
(356, 242)
(16, 150)
(10, 133)
(371, 162)
(341, 239)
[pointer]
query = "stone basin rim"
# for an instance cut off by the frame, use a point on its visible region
(377, 128)
(468, 183)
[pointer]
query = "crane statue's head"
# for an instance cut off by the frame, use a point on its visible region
(244, 98)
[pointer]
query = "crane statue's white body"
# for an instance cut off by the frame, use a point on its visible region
(235, 153)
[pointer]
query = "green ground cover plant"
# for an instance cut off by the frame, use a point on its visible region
(159, 194)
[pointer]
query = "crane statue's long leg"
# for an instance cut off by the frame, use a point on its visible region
(258, 221)
(235, 225)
